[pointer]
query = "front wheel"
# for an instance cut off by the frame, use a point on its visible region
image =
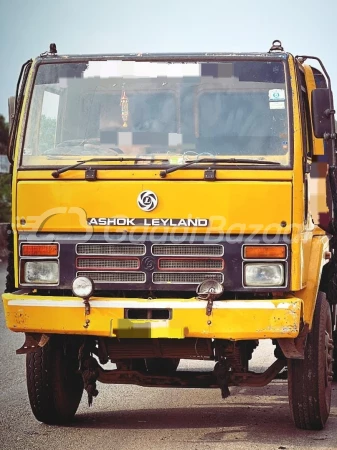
(54, 385)
(334, 367)
(310, 379)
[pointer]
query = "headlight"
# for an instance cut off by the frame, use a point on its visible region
(41, 272)
(262, 275)
(83, 287)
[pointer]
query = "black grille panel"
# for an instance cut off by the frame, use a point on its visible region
(168, 265)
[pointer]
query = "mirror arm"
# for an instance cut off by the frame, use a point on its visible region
(18, 103)
(329, 112)
(332, 136)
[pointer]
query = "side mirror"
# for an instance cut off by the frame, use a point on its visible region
(321, 112)
(11, 111)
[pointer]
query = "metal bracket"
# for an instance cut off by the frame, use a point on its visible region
(86, 312)
(276, 46)
(209, 306)
(210, 175)
(294, 348)
(32, 342)
(91, 174)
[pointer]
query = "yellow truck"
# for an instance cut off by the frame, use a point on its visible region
(161, 211)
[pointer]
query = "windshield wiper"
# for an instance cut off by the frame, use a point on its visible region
(57, 172)
(163, 173)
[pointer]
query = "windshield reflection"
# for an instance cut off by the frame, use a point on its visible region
(108, 108)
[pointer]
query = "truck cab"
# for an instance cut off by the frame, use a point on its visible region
(162, 211)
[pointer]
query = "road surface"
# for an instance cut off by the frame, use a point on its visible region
(131, 417)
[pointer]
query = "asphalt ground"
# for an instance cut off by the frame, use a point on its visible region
(131, 417)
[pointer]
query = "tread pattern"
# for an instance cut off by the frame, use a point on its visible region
(306, 378)
(10, 278)
(334, 367)
(54, 387)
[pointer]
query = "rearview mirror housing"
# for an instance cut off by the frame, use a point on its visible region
(321, 112)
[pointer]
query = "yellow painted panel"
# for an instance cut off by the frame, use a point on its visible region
(319, 245)
(232, 206)
(154, 174)
(297, 264)
(232, 319)
(306, 240)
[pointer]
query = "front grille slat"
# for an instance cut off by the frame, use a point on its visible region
(191, 264)
(107, 263)
(185, 277)
(111, 249)
(187, 250)
(115, 277)
(171, 264)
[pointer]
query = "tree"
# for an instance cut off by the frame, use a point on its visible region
(5, 179)
(5, 197)
(4, 131)
(47, 133)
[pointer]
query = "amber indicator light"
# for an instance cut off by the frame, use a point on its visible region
(39, 250)
(264, 252)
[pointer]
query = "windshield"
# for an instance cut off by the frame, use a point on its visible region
(177, 111)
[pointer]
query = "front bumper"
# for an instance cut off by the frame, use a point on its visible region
(230, 319)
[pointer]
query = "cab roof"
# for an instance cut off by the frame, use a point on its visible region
(181, 57)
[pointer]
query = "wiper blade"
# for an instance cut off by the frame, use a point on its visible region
(57, 172)
(163, 173)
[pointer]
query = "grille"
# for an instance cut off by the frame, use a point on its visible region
(185, 278)
(187, 250)
(196, 264)
(111, 249)
(107, 263)
(115, 277)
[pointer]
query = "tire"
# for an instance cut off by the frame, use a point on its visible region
(334, 367)
(309, 380)
(54, 386)
(10, 279)
(162, 365)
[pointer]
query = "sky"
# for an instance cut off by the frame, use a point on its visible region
(27, 27)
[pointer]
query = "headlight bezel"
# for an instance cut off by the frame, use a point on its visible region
(259, 285)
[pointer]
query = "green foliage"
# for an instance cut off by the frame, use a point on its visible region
(3, 135)
(5, 197)
(47, 133)
(5, 178)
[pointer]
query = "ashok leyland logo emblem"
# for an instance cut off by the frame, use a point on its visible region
(147, 200)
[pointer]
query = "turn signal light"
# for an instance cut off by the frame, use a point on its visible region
(39, 250)
(264, 251)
